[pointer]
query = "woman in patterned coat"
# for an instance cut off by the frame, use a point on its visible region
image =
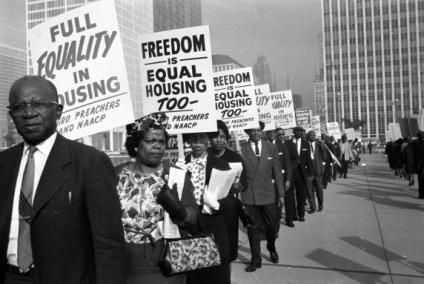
(212, 220)
(145, 197)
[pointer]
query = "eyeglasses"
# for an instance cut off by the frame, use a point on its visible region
(38, 106)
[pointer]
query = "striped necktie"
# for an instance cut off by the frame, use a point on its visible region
(25, 259)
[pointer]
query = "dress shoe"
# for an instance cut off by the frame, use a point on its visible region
(274, 256)
(312, 211)
(252, 267)
(420, 197)
(320, 207)
(290, 224)
(301, 219)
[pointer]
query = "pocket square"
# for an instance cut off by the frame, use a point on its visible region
(269, 158)
(280, 153)
(304, 149)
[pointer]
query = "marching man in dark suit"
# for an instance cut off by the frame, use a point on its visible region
(300, 157)
(261, 195)
(289, 199)
(59, 210)
(318, 158)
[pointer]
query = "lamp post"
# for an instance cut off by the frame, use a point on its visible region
(339, 108)
(395, 103)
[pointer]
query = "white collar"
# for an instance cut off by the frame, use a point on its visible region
(45, 146)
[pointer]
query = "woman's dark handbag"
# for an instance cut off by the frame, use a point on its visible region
(187, 254)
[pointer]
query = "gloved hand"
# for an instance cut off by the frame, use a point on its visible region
(168, 199)
(210, 199)
(235, 188)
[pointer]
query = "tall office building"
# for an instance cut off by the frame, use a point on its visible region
(262, 72)
(318, 91)
(297, 101)
(135, 17)
(319, 98)
(373, 57)
(176, 14)
(12, 66)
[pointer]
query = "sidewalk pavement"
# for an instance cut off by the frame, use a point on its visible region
(371, 231)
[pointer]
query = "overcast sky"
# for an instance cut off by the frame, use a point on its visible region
(284, 31)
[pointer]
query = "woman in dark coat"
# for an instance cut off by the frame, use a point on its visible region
(232, 207)
(200, 164)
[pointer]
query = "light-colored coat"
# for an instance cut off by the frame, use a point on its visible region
(347, 151)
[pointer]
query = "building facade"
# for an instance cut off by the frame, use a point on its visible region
(12, 66)
(319, 98)
(221, 62)
(318, 85)
(134, 18)
(176, 14)
(373, 53)
(262, 72)
(297, 101)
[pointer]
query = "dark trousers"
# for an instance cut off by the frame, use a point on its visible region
(290, 204)
(265, 218)
(345, 167)
(335, 170)
(317, 189)
(421, 185)
(310, 194)
(326, 178)
(16, 278)
(300, 190)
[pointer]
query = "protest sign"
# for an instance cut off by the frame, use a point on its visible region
(282, 104)
(324, 128)
(171, 152)
(394, 131)
(80, 51)
(235, 98)
(333, 129)
(303, 118)
(288, 132)
(358, 135)
(350, 133)
(316, 125)
(176, 75)
(263, 101)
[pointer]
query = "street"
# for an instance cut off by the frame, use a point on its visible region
(370, 231)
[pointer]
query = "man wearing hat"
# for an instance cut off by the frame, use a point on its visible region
(264, 192)
(301, 164)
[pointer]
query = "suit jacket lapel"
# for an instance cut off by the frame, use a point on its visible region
(9, 169)
(251, 155)
(53, 174)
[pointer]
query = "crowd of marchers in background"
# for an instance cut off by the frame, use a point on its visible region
(406, 157)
